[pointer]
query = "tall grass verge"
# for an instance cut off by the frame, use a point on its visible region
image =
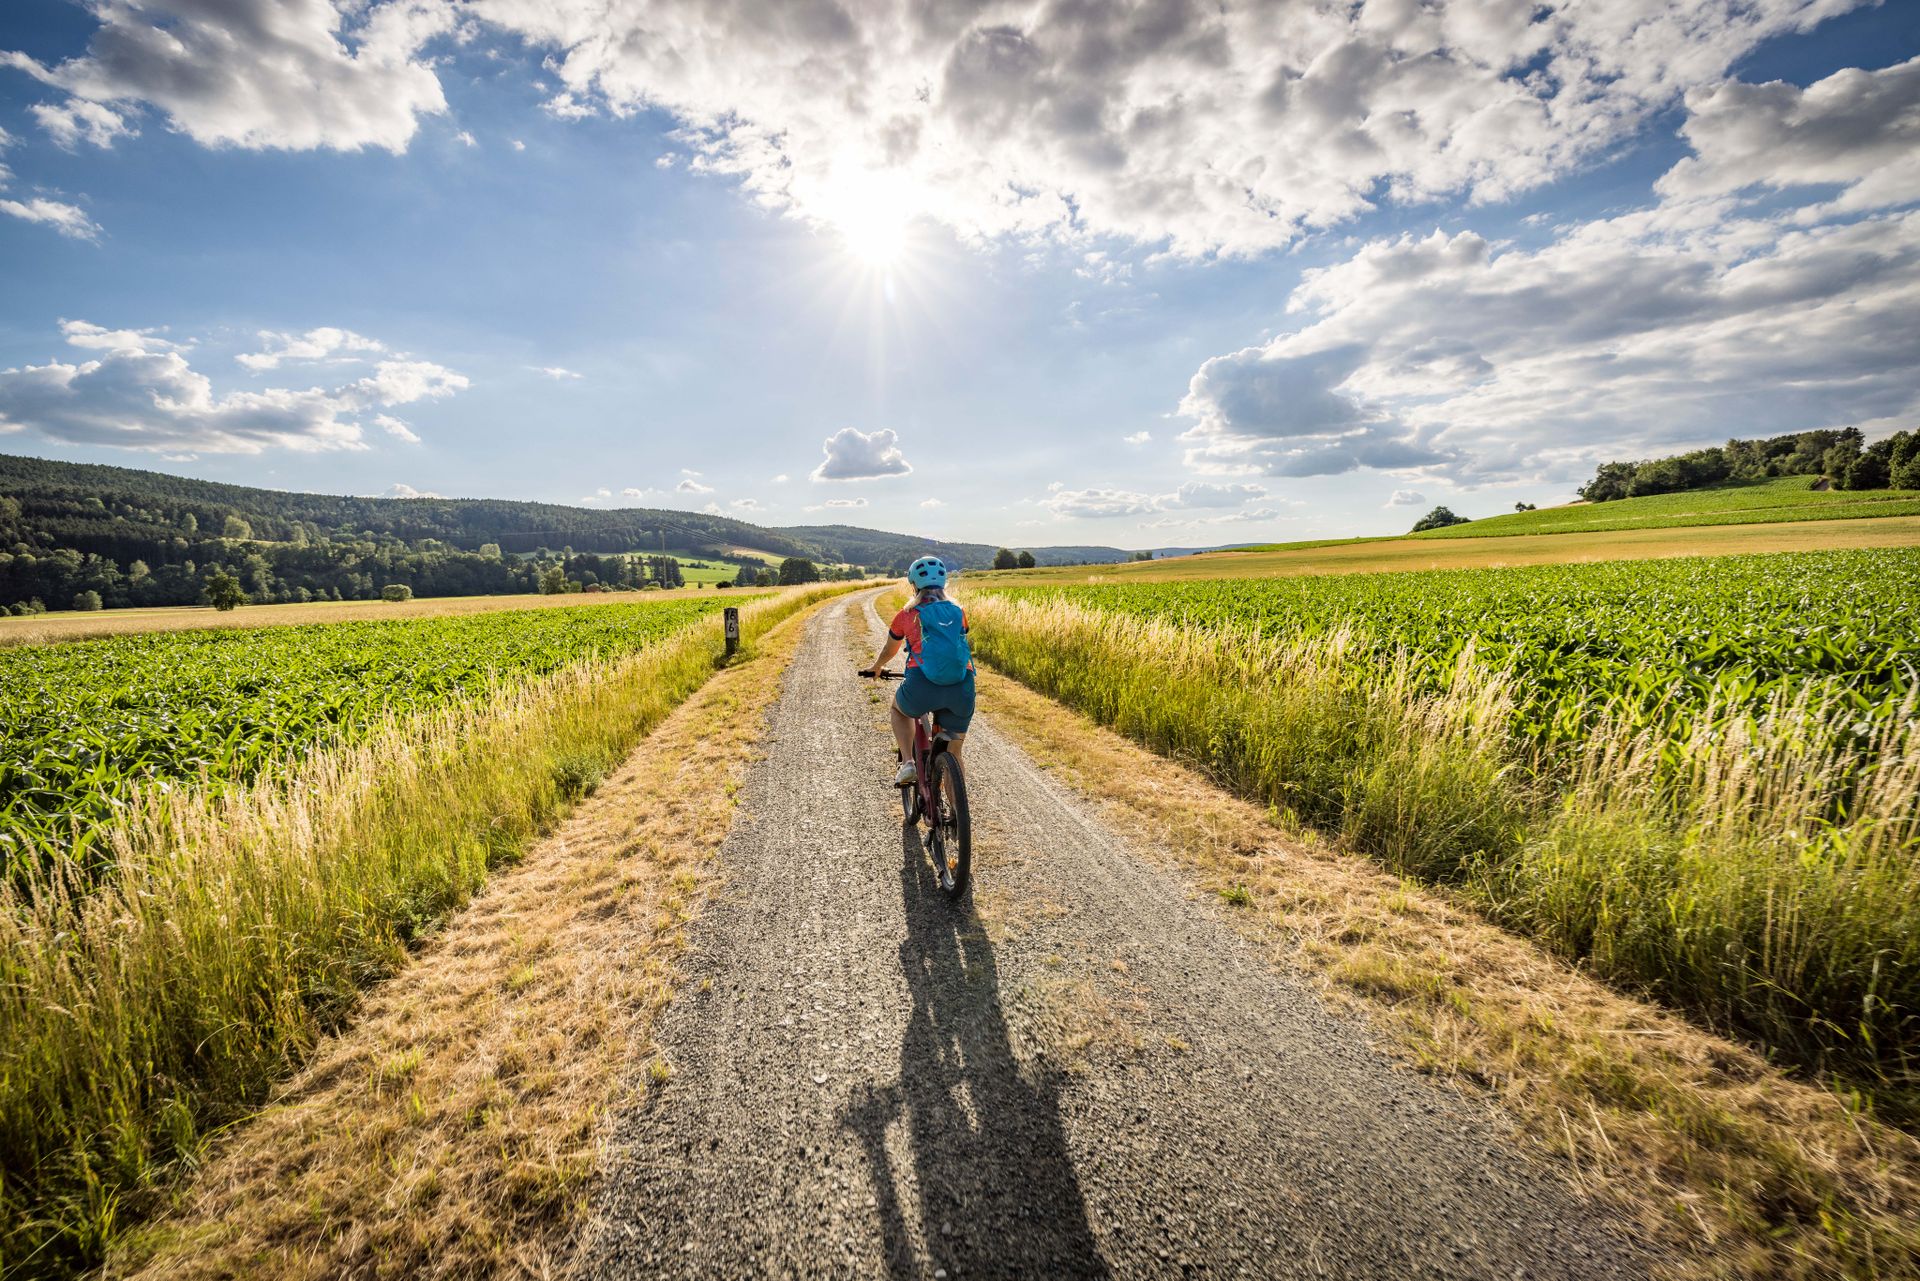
(1750, 870)
(138, 1017)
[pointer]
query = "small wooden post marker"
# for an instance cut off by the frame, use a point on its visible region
(731, 616)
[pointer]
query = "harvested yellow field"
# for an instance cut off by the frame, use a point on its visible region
(1387, 554)
(71, 625)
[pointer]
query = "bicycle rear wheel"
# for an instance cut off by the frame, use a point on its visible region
(952, 843)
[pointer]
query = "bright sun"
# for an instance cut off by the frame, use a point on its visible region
(874, 214)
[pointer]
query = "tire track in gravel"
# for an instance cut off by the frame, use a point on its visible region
(1091, 1074)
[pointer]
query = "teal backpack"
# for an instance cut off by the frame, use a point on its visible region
(944, 655)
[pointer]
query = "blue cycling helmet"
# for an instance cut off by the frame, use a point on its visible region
(926, 572)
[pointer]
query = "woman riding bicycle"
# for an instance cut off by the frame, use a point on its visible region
(939, 677)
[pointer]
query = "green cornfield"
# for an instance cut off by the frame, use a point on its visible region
(88, 726)
(1698, 777)
(1655, 641)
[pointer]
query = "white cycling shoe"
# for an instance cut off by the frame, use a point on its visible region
(905, 775)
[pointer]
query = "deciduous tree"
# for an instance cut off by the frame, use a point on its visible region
(223, 591)
(1438, 518)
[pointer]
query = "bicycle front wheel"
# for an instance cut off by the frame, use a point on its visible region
(952, 843)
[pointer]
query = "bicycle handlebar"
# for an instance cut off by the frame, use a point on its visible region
(886, 673)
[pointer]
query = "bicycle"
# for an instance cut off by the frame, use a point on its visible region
(939, 797)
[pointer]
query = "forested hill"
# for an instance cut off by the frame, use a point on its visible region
(88, 502)
(147, 538)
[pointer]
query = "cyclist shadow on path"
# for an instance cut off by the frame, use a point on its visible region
(995, 1186)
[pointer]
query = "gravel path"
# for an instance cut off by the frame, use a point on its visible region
(1092, 1075)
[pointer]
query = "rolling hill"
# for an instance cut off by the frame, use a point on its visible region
(86, 502)
(1737, 502)
(70, 532)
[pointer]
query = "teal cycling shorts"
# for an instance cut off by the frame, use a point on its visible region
(951, 705)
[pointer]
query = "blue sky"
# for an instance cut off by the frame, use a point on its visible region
(1139, 275)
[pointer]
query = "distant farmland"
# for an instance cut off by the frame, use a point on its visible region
(1783, 498)
(1368, 555)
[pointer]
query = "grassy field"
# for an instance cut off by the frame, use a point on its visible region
(147, 1004)
(1701, 779)
(1779, 498)
(1389, 554)
(754, 553)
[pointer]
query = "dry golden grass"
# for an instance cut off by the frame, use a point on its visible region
(450, 1130)
(69, 625)
(1742, 1170)
(1488, 553)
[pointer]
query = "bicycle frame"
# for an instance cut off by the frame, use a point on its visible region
(926, 741)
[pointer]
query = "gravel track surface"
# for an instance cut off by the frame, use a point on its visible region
(1091, 1074)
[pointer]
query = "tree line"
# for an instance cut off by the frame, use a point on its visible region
(1840, 454)
(234, 568)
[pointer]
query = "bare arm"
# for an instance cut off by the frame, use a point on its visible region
(887, 652)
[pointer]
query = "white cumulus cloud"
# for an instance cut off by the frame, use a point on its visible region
(688, 485)
(1197, 493)
(76, 121)
(297, 74)
(1406, 498)
(1726, 307)
(1201, 126)
(69, 220)
(401, 382)
(855, 455)
(1102, 503)
(324, 343)
(396, 428)
(80, 333)
(134, 390)
(1205, 126)
(1859, 129)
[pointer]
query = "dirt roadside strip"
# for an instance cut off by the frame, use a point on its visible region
(450, 1130)
(1095, 1074)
